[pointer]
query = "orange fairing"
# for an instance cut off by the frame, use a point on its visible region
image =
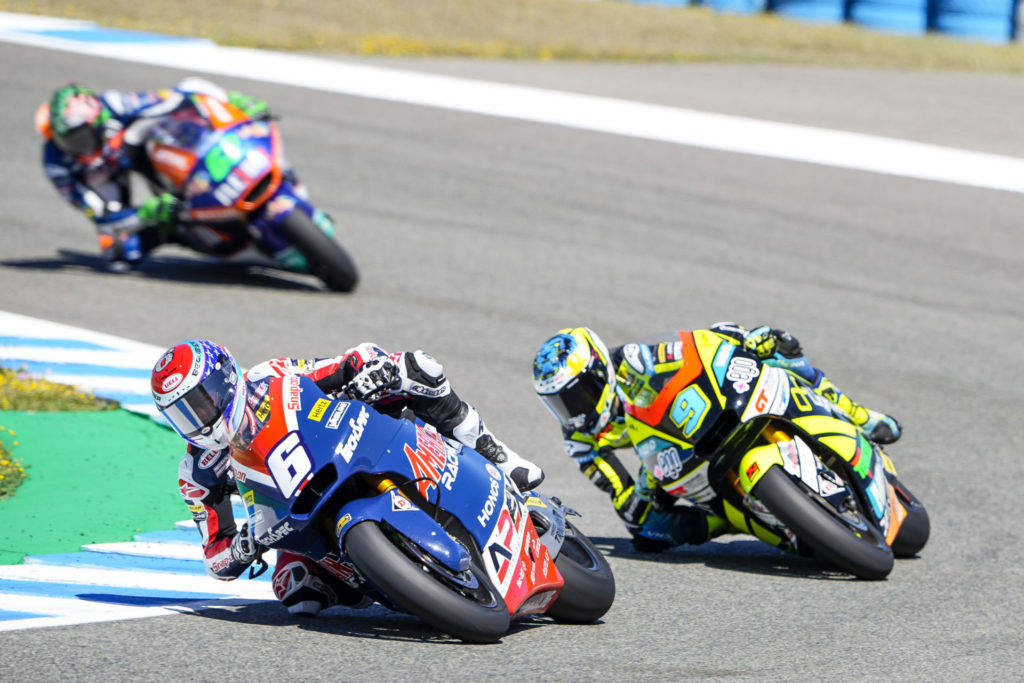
(260, 189)
(43, 120)
(173, 163)
(219, 113)
(690, 370)
(899, 513)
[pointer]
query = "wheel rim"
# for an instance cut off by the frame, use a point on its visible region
(465, 583)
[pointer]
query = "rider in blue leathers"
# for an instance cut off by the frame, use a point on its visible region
(93, 141)
(575, 377)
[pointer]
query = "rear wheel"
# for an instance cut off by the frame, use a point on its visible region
(463, 604)
(327, 259)
(844, 539)
(914, 532)
(589, 585)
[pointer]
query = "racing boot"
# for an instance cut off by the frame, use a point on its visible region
(523, 473)
(121, 251)
(304, 591)
(878, 427)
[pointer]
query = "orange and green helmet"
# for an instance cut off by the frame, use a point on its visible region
(74, 119)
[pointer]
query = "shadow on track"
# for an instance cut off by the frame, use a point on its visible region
(743, 555)
(249, 273)
(373, 623)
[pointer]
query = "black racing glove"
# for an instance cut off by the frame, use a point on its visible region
(765, 342)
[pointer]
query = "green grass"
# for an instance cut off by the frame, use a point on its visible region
(592, 30)
(24, 393)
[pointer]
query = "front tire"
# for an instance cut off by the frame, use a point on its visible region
(589, 584)
(862, 552)
(467, 606)
(326, 258)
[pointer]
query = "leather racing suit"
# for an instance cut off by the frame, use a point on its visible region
(100, 186)
(206, 480)
(649, 513)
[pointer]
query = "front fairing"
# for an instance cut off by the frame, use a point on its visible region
(296, 477)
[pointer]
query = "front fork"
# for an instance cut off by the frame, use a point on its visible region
(265, 228)
(878, 497)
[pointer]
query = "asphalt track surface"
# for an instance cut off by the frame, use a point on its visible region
(479, 237)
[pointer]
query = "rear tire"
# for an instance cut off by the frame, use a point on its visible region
(863, 553)
(913, 534)
(423, 589)
(589, 584)
(327, 259)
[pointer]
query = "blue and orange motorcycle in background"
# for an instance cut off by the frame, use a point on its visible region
(754, 444)
(230, 172)
(420, 523)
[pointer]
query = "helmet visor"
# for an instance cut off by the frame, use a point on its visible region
(576, 405)
(80, 141)
(195, 413)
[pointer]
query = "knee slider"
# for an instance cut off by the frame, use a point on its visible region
(295, 583)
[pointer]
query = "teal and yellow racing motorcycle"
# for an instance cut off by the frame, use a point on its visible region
(754, 444)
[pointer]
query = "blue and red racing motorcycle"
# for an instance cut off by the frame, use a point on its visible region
(420, 523)
(230, 172)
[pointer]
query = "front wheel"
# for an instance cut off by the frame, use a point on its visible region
(325, 257)
(855, 547)
(463, 604)
(589, 584)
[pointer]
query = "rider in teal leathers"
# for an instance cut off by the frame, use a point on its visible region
(575, 377)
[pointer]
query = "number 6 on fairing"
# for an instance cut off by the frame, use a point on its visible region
(289, 464)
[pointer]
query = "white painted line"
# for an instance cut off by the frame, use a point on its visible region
(70, 612)
(585, 112)
(187, 583)
(112, 358)
(34, 327)
(170, 550)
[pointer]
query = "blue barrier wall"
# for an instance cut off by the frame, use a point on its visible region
(989, 20)
(992, 21)
(909, 17)
(825, 11)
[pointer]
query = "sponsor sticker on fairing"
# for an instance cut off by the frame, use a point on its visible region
(318, 410)
(400, 503)
(275, 534)
(293, 394)
(492, 500)
(347, 448)
(334, 421)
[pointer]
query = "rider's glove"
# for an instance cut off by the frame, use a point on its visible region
(766, 342)
(374, 378)
(244, 547)
(161, 211)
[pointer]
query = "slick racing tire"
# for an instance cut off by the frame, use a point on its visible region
(589, 585)
(465, 605)
(854, 547)
(326, 258)
(914, 532)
